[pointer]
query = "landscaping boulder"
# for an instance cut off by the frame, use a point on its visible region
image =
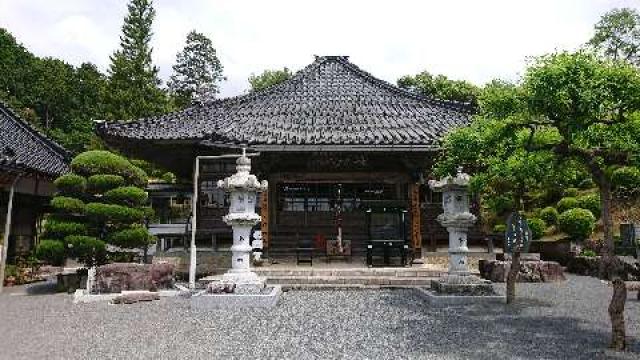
(116, 277)
(530, 271)
(590, 266)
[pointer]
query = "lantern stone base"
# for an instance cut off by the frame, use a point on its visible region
(461, 290)
(267, 297)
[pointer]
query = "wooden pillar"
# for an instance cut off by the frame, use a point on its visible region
(416, 233)
(264, 214)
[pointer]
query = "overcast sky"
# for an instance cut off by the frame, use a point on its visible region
(463, 39)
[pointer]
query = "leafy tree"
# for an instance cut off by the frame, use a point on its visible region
(268, 78)
(440, 87)
(134, 88)
(617, 35)
(197, 71)
(102, 201)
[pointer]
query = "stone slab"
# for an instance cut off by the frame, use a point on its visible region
(451, 300)
(205, 301)
(82, 296)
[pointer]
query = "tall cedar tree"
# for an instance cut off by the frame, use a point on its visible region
(134, 88)
(617, 35)
(197, 71)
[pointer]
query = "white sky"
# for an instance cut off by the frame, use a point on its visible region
(463, 39)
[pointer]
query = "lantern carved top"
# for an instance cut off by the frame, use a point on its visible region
(242, 180)
(448, 183)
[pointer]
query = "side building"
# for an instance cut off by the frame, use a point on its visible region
(334, 141)
(29, 162)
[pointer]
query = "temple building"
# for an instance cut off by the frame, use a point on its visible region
(29, 162)
(335, 143)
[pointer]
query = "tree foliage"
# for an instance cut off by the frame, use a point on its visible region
(196, 72)
(268, 78)
(440, 87)
(617, 35)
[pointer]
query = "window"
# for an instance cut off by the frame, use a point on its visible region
(211, 196)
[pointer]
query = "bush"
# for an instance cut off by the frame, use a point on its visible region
(587, 184)
(500, 204)
(169, 177)
(537, 226)
(588, 253)
(567, 203)
(71, 184)
(59, 229)
(100, 162)
(577, 223)
(549, 215)
(590, 202)
(500, 228)
(570, 192)
(99, 184)
(134, 237)
(68, 205)
(86, 249)
(626, 178)
(113, 213)
(51, 251)
(128, 195)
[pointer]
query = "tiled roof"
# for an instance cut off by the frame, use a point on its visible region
(329, 103)
(22, 148)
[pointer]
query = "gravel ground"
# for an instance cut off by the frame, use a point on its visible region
(552, 321)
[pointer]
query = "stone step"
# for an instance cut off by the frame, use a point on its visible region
(341, 281)
(361, 272)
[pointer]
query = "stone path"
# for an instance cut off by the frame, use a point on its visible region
(552, 321)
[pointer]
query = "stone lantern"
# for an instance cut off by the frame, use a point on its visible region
(243, 189)
(457, 218)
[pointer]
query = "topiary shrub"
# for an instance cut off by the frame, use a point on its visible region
(626, 179)
(68, 205)
(537, 227)
(577, 223)
(99, 184)
(567, 203)
(570, 192)
(59, 229)
(590, 202)
(169, 177)
(549, 215)
(136, 236)
(107, 163)
(51, 251)
(110, 213)
(128, 195)
(71, 184)
(87, 249)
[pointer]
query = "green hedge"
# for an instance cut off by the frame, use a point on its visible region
(169, 177)
(590, 202)
(137, 236)
(549, 215)
(128, 195)
(99, 184)
(86, 249)
(626, 178)
(567, 203)
(570, 192)
(537, 226)
(51, 252)
(68, 205)
(59, 229)
(577, 223)
(71, 184)
(100, 162)
(113, 213)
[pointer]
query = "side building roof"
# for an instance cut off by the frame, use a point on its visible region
(330, 104)
(22, 148)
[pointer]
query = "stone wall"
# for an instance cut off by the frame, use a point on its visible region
(208, 263)
(530, 271)
(113, 278)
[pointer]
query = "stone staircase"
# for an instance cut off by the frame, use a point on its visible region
(297, 278)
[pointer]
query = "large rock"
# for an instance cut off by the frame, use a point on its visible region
(113, 278)
(629, 268)
(530, 271)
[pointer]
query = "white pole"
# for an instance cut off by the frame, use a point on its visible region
(7, 229)
(194, 207)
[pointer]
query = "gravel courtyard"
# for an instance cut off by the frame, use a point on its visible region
(553, 321)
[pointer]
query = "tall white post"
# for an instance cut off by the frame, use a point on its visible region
(7, 229)
(194, 199)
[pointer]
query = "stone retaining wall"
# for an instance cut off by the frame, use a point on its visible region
(530, 271)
